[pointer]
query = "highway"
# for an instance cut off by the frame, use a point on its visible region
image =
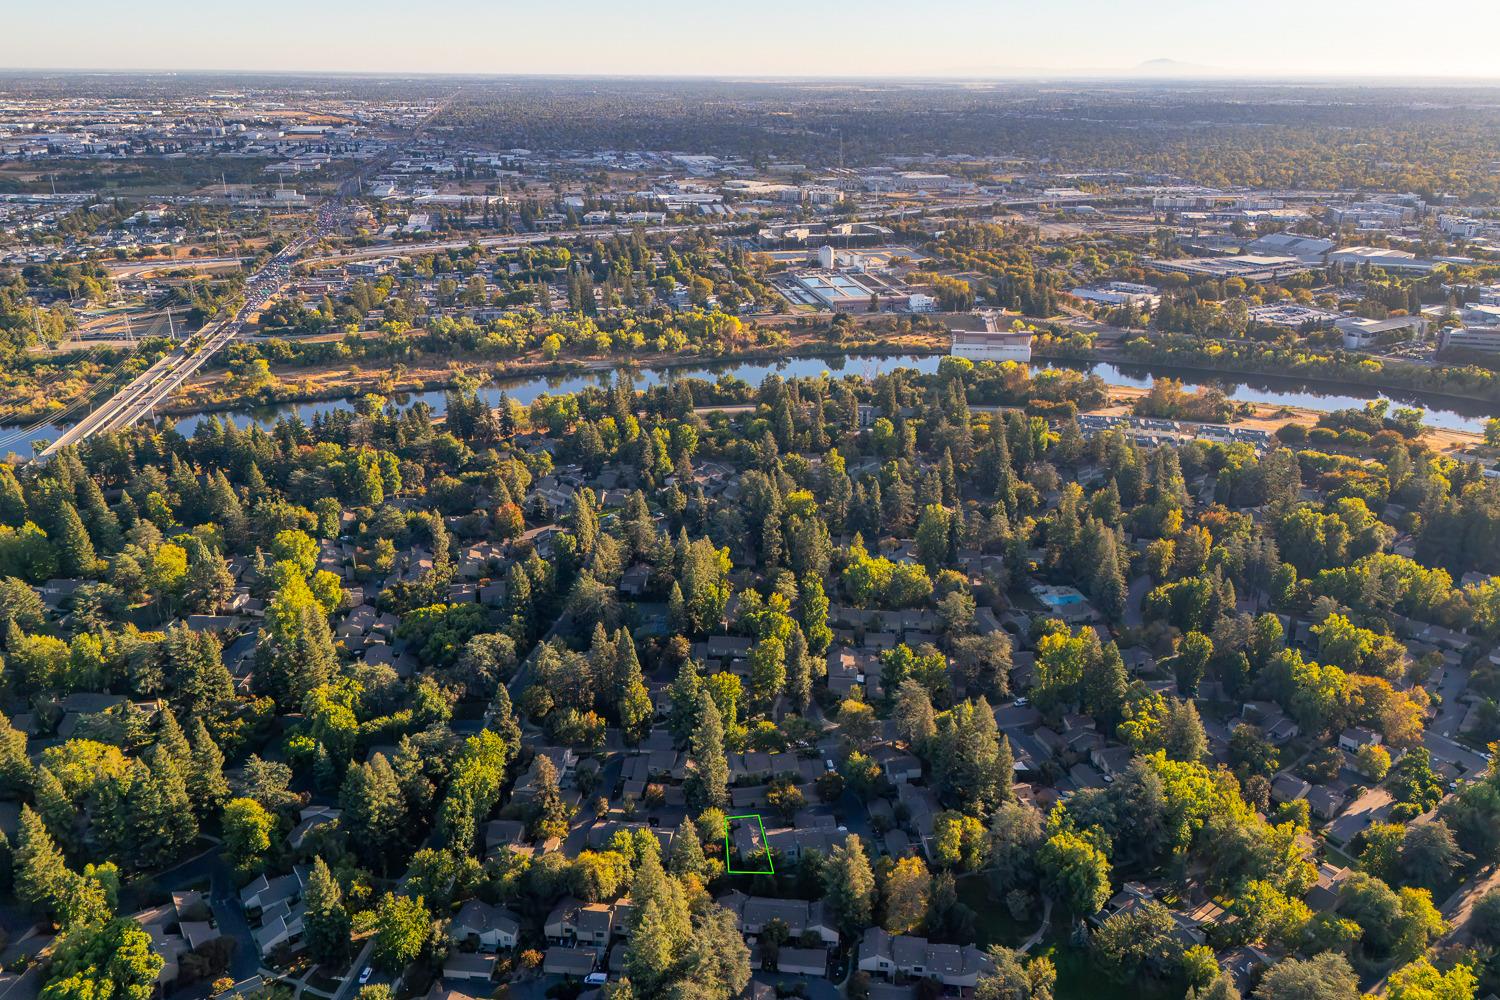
(157, 383)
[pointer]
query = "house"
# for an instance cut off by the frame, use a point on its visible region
(571, 962)
(310, 819)
(488, 927)
(264, 892)
(468, 966)
(1357, 738)
(1287, 787)
(753, 913)
(1324, 895)
(580, 924)
(1325, 802)
(802, 961)
(903, 956)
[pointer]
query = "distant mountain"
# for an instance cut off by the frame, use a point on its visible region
(1172, 67)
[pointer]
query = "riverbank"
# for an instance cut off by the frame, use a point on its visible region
(329, 382)
(1270, 417)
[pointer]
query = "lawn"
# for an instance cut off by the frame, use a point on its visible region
(993, 923)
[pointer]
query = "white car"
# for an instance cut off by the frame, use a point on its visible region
(364, 977)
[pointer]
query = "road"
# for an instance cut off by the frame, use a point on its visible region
(153, 386)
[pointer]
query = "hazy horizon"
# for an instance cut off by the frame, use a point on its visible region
(1342, 39)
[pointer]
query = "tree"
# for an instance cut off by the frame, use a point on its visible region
(971, 760)
(326, 921)
(103, 958)
(907, 890)
(74, 547)
(916, 722)
(849, 886)
(247, 833)
(402, 930)
(686, 855)
(1429, 854)
(705, 583)
(1324, 977)
(1422, 981)
(204, 776)
(708, 784)
(41, 874)
(160, 821)
(799, 670)
(549, 810)
(1015, 977)
(633, 705)
(1137, 943)
(374, 810)
(1191, 662)
(295, 653)
(767, 669)
(1075, 872)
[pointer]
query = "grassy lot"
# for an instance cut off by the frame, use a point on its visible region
(1077, 976)
(993, 923)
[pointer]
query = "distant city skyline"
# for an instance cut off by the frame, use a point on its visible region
(879, 38)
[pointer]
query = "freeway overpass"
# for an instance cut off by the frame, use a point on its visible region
(157, 383)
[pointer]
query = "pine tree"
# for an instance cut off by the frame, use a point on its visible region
(326, 921)
(15, 765)
(375, 810)
(708, 785)
(203, 684)
(849, 886)
(798, 671)
(160, 820)
(12, 501)
(171, 738)
(206, 784)
(41, 874)
(295, 653)
(687, 695)
(686, 854)
(633, 702)
(1104, 684)
(75, 550)
(56, 808)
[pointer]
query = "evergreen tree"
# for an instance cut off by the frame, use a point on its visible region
(15, 765)
(686, 694)
(374, 810)
(75, 550)
(41, 874)
(849, 886)
(708, 785)
(327, 924)
(633, 703)
(204, 775)
(55, 806)
(798, 670)
(295, 653)
(686, 855)
(160, 822)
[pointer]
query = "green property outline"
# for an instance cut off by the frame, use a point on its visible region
(765, 847)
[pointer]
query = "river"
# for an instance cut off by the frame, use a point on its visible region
(1451, 414)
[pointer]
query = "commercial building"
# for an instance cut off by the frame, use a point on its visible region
(1485, 340)
(1120, 293)
(1360, 332)
(1248, 267)
(815, 234)
(976, 337)
(1305, 248)
(1382, 257)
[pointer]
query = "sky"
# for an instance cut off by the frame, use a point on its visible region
(871, 38)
